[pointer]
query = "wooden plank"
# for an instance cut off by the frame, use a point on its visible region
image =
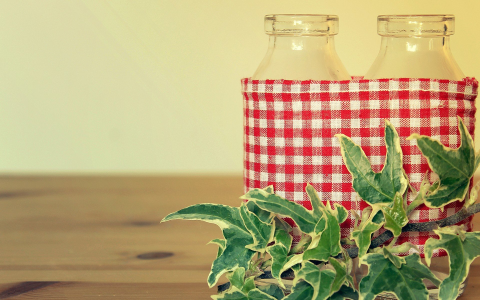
(86, 237)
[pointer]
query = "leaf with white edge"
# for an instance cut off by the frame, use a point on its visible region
(328, 244)
(341, 275)
(236, 235)
(473, 195)
(362, 233)
(257, 294)
(261, 232)
(317, 204)
(303, 217)
(403, 248)
(345, 292)
(264, 216)
(320, 280)
(454, 167)
(395, 216)
(375, 188)
(232, 294)
(342, 213)
(273, 291)
(301, 291)
(281, 224)
(405, 282)
(237, 278)
(421, 194)
(221, 245)
(462, 248)
(249, 284)
(397, 261)
(279, 253)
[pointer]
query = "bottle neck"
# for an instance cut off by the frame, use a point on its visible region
(408, 45)
(415, 57)
(301, 43)
(301, 58)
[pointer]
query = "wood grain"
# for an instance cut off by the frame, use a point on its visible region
(92, 237)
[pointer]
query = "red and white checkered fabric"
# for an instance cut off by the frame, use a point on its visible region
(289, 129)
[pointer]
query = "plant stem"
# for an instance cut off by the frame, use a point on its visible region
(384, 237)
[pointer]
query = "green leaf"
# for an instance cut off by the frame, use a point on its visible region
(257, 294)
(264, 216)
(236, 235)
(261, 232)
(345, 292)
(376, 188)
(328, 242)
(320, 280)
(273, 291)
(317, 204)
(221, 245)
(362, 233)
(462, 248)
(421, 194)
(454, 167)
(473, 195)
(301, 291)
(249, 284)
(237, 278)
(232, 294)
(340, 274)
(300, 215)
(397, 261)
(405, 282)
(395, 216)
(279, 253)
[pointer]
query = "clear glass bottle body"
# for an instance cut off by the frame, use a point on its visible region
(301, 47)
(415, 47)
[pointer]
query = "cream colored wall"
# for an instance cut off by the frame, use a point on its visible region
(154, 86)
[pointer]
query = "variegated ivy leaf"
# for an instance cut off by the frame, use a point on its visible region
(454, 167)
(395, 216)
(473, 195)
(273, 291)
(236, 294)
(397, 261)
(345, 292)
(341, 275)
(303, 217)
(221, 245)
(362, 233)
(320, 280)
(264, 216)
(279, 253)
(237, 279)
(462, 248)
(261, 232)
(375, 188)
(236, 235)
(326, 242)
(405, 282)
(301, 291)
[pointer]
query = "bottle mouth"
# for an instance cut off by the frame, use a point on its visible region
(309, 25)
(415, 25)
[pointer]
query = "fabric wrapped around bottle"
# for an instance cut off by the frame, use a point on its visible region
(290, 127)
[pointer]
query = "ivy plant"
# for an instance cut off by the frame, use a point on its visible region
(260, 261)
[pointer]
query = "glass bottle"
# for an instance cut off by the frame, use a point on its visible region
(301, 47)
(415, 46)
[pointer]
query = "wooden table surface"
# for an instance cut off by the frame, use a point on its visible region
(100, 237)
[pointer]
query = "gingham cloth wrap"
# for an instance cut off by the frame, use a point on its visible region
(289, 129)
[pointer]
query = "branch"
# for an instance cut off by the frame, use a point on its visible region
(385, 236)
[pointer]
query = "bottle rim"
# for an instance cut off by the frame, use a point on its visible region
(416, 25)
(301, 24)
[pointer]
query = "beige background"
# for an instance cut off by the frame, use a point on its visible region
(154, 86)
